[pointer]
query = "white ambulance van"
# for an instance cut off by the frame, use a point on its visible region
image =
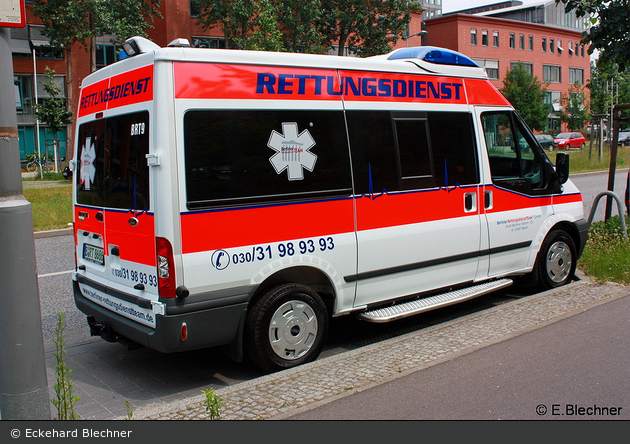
(244, 198)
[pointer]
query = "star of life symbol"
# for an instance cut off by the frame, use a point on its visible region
(88, 156)
(292, 151)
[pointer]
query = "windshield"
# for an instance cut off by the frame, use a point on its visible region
(113, 169)
(563, 136)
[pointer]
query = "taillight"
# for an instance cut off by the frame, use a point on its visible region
(165, 268)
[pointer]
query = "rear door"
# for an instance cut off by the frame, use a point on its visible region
(113, 221)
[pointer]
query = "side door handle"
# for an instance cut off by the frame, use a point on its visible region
(470, 202)
(488, 201)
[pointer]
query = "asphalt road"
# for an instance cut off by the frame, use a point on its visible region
(591, 184)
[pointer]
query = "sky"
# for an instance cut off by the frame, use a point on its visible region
(457, 5)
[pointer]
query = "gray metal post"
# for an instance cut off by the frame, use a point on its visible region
(23, 382)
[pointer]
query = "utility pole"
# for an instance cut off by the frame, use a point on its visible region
(23, 382)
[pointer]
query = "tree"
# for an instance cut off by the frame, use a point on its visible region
(246, 24)
(366, 27)
(609, 32)
(574, 109)
(298, 24)
(52, 111)
(526, 94)
(68, 22)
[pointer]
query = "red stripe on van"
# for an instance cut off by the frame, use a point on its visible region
(207, 231)
(219, 81)
(482, 92)
(390, 210)
(131, 87)
(224, 81)
(135, 243)
(569, 198)
(505, 200)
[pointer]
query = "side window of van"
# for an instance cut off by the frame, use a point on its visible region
(241, 157)
(395, 151)
(515, 161)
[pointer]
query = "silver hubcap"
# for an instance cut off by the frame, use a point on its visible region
(559, 261)
(293, 330)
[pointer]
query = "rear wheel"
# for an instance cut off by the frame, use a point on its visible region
(557, 260)
(49, 167)
(286, 327)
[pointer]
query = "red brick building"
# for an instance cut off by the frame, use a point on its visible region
(552, 54)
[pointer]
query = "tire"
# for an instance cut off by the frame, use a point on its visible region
(49, 167)
(31, 167)
(557, 260)
(286, 327)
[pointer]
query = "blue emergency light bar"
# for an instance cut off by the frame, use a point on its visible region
(432, 54)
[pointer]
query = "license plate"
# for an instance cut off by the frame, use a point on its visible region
(93, 254)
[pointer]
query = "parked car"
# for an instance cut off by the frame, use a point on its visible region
(570, 140)
(624, 138)
(546, 141)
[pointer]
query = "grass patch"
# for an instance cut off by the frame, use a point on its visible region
(52, 207)
(580, 163)
(606, 257)
(47, 176)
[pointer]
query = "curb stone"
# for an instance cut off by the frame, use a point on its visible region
(283, 394)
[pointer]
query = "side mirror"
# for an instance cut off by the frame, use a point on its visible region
(562, 167)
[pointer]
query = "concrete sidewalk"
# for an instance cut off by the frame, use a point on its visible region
(295, 391)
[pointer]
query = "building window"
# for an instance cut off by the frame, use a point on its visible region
(208, 42)
(531, 42)
(529, 67)
(24, 40)
(24, 99)
(495, 39)
(484, 37)
(560, 48)
(552, 46)
(552, 73)
(512, 40)
(553, 98)
(544, 44)
(105, 55)
(491, 67)
(195, 8)
(576, 75)
(473, 36)
(521, 42)
(582, 51)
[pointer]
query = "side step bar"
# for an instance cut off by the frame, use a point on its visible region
(402, 310)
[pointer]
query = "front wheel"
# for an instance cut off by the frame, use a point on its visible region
(31, 167)
(286, 327)
(557, 260)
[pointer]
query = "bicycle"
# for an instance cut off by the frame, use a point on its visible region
(46, 165)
